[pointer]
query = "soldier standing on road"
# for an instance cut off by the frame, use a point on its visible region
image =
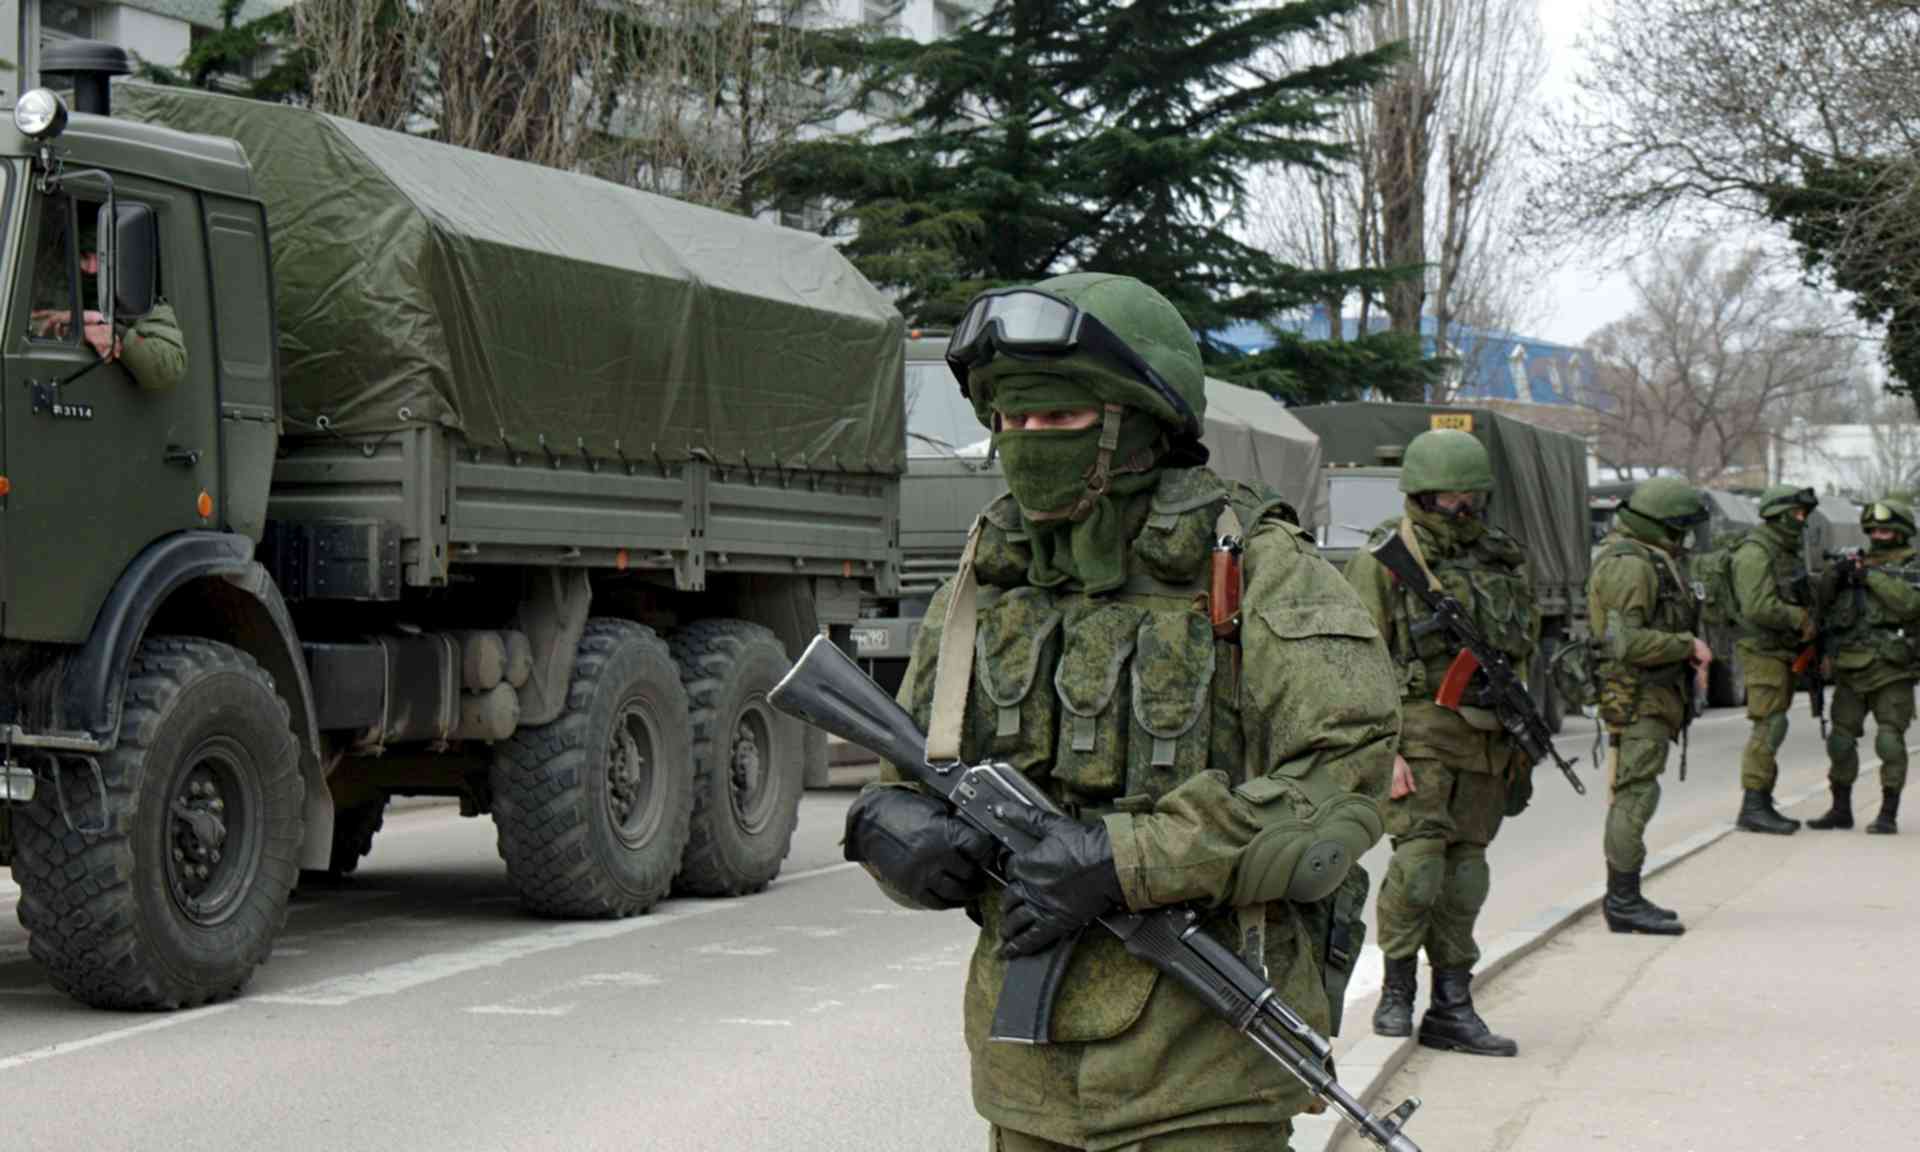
(1643, 616)
(1195, 766)
(1458, 774)
(1777, 614)
(1873, 662)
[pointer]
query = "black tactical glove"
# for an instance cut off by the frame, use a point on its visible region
(1059, 885)
(917, 845)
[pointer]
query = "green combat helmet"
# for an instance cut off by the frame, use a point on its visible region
(1146, 323)
(1893, 515)
(1780, 499)
(1446, 460)
(1666, 502)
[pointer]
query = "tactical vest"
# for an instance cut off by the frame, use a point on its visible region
(1858, 622)
(1108, 702)
(1789, 583)
(1485, 577)
(1673, 609)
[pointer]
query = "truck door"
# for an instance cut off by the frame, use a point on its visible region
(97, 466)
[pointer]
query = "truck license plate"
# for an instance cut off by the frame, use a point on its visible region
(869, 640)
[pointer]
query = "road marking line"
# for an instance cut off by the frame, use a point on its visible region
(510, 1010)
(761, 1023)
(435, 966)
(68, 1047)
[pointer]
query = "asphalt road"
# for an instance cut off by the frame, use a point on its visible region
(416, 1007)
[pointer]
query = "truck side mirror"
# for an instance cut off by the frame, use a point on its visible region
(136, 256)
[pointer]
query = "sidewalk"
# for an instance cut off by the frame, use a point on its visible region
(1784, 1018)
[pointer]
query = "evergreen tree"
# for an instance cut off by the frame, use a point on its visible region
(1054, 135)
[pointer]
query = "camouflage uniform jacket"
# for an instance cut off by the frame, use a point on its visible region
(1868, 621)
(1491, 580)
(1643, 622)
(1773, 610)
(1127, 709)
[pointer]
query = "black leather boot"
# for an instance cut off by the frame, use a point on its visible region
(1394, 1016)
(1628, 911)
(1452, 1025)
(1779, 815)
(1757, 815)
(1841, 814)
(1886, 824)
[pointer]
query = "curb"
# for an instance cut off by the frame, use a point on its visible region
(1366, 1068)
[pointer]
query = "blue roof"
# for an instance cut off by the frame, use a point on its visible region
(1495, 365)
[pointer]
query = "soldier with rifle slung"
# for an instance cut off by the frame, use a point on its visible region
(1778, 615)
(1459, 772)
(1646, 630)
(1870, 601)
(1165, 656)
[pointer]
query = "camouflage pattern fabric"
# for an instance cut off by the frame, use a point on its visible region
(1774, 615)
(1462, 761)
(1892, 708)
(1215, 1138)
(1642, 618)
(1126, 709)
(1770, 683)
(1874, 667)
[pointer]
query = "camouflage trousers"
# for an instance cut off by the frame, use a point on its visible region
(1438, 879)
(1769, 696)
(1892, 709)
(1636, 759)
(1213, 1138)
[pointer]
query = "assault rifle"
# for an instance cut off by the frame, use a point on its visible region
(1506, 696)
(829, 691)
(1690, 694)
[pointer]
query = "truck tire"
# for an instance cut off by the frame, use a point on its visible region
(353, 833)
(591, 810)
(749, 758)
(1552, 708)
(206, 775)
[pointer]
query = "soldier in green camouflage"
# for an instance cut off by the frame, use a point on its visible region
(1198, 759)
(1777, 616)
(1873, 662)
(1458, 774)
(1644, 622)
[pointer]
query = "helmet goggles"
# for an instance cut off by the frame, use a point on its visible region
(1031, 324)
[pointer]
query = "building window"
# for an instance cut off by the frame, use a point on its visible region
(1517, 372)
(60, 19)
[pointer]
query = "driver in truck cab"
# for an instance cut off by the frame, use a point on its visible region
(151, 348)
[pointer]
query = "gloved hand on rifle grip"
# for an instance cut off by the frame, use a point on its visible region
(918, 846)
(1058, 886)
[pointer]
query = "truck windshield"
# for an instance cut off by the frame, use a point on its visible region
(939, 419)
(1356, 504)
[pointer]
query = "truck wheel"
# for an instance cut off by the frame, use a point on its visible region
(353, 833)
(1552, 708)
(749, 759)
(591, 810)
(178, 900)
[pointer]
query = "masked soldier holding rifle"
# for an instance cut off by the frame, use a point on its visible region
(1871, 601)
(1167, 658)
(1458, 773)
(1777, 612)
(1645, 619)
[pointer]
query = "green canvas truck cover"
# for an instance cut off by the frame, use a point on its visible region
(1251, 436)
(1539, 475)
(419, 282)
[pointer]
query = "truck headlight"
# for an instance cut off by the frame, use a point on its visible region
(40, 114)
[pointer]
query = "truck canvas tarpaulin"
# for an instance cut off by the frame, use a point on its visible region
(1253, 437)
(544, 310)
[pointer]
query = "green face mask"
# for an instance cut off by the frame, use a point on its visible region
(1047, 470)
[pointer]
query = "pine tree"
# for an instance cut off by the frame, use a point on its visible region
(1053, 135)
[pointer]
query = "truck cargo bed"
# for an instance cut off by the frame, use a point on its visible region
(451, 504)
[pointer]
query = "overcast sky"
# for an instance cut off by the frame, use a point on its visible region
(1582, 298)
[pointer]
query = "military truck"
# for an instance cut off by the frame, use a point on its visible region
(952, 475)
(1539, 495)
(484, 480)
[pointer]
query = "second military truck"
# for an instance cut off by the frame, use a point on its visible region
(483, 480)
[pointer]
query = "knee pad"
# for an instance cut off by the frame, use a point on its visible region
(1841, 744)
(1421, 869)
(1776, 730)
(1468, 878)
(1891, 744)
